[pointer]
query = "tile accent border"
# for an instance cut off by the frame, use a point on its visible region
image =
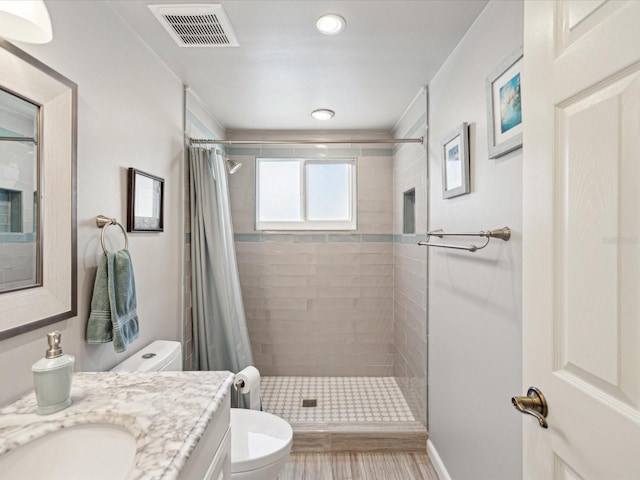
(329, 238)
(409, 238)
(319, 237)
(17, 237)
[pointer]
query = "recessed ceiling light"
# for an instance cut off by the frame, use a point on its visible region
(331, 24)
(323, 114)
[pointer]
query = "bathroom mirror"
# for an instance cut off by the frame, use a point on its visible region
(37, 194)
(20, 252)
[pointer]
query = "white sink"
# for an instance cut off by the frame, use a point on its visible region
(96, 451)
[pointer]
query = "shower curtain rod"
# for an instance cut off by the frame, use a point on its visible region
(202, 141)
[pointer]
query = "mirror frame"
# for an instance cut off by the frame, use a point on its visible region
(56, 298)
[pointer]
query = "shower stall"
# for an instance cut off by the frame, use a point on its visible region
(337, 319)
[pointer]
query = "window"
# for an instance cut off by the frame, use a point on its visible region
(304, 194)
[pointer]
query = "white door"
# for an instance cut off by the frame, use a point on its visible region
(581, 250)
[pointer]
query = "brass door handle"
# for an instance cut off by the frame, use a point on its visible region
(533, 404)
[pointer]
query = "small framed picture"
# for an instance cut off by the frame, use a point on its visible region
(504, 106)
(455, 163)
(145, 202)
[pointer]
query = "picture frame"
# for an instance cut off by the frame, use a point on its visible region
(455, 162)
(504, 106)
(145, 202)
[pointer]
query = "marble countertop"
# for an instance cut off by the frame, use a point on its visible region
(166, 412)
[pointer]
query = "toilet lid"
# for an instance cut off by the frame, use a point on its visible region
(257, 439)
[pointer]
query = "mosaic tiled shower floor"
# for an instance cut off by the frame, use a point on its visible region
(340, 399)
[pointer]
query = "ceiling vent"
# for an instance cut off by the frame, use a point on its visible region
(196, 25)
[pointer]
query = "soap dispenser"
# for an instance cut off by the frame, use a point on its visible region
(52, 377)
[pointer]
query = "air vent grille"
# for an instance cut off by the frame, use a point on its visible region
(196, 25)
(198, 29)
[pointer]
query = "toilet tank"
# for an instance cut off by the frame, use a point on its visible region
(161, 355)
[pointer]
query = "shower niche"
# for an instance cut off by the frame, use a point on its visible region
(409, 212)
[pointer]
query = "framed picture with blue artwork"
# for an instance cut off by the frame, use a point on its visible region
(455, 163)
(504, 106)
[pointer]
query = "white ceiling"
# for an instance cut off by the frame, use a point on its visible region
(284, 68)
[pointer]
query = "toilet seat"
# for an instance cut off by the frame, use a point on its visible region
(258, 439)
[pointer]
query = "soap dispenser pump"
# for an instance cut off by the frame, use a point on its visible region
(52, 377)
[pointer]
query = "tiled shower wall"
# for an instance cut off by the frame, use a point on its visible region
(319, 304)
(409, 262)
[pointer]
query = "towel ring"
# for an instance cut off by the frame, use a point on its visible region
(103, 222)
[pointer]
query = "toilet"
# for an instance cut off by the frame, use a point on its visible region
(260, 441)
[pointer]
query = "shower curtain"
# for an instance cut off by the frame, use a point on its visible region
(220, 336)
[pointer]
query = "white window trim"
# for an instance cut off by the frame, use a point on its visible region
(311, 225)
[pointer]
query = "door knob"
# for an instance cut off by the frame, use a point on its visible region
(533, 404)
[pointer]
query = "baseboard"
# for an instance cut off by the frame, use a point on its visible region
(358, 437)
(437, 463)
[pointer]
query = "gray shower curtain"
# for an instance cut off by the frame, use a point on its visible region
(220, 336)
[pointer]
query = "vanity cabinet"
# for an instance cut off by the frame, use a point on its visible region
(211, 459)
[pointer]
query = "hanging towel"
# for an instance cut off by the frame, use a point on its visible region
(113, 314)
(99, 327)
(122, 299)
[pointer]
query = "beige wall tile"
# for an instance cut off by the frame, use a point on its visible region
(277, 314)
(286, 281)
(409, 261)
(285, 303)
(338, 292)
(328, 298)
(334, 248)
(375, 281)
(334, 280)
(275, 370)
(375, 247)
(340, 270)
(376, 270)
(290, 292)
(376, 292)
(333, 359)
(291, 270)
(338, 258)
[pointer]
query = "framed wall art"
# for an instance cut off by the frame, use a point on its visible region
(455, 163)
(145, 201)
(504, 106)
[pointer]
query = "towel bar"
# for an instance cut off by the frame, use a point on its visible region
(103, 222)
(501, 233)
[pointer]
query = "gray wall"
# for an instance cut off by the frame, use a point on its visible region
(129, 115)
(410, 261)
(475, 305)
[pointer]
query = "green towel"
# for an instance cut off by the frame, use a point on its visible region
(99, 327)
(113, 307)
(122, 299)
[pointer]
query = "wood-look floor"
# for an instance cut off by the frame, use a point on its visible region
(358, 466)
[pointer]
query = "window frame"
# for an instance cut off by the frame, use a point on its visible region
(305, 224)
